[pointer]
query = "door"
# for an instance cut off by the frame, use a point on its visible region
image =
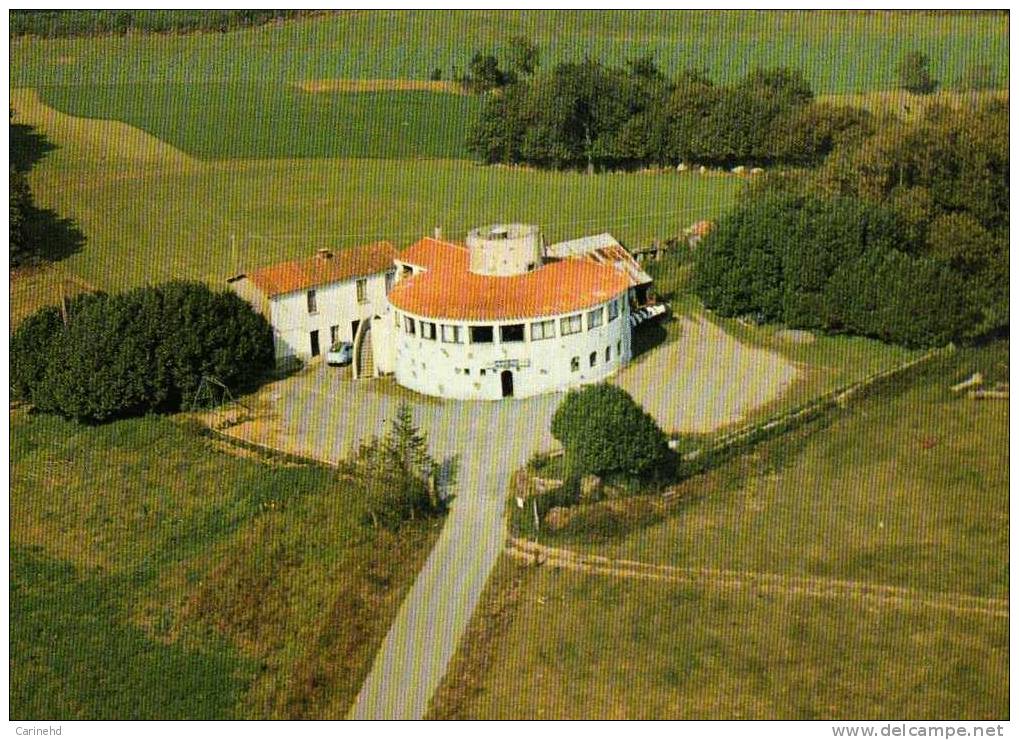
(353, 329)
(314, 343)
(507, 383)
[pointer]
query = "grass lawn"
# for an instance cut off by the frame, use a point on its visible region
(565, 645)
(908, 487)
(838, 51)
(141, 550)
(278, 209)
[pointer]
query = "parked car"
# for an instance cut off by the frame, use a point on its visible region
(341, 353)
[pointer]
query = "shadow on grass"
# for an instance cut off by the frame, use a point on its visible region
(57, 237)
(28, 146)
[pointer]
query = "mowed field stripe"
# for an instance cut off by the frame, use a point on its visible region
(104, 142)
(773, 583)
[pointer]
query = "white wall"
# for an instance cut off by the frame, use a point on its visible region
(336, 305)
(430, 366)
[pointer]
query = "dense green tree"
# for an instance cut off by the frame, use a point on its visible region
(914, 73)
(604, 431)
(484, 74)
(23, 247)
(142, 350)
(523, 56)
(834, 264)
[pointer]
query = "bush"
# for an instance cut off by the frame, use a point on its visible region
(604, 431)
(139, 351)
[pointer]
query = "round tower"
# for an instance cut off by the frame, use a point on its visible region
(504, 249)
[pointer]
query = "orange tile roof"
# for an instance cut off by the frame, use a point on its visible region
(310, 272)
(435, 254)
(448, 290)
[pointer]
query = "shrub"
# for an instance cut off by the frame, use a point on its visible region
(604, 431)
(139, 351)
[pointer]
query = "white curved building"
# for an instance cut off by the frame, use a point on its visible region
(494, 319)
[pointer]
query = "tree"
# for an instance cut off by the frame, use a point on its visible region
(139, 351)
(397, 475)
(604, 431)
(523, 56)
(914, 73)
(483, 74)
(23, 247)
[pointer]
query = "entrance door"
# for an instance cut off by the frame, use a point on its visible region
(507, 383)
(314, 343)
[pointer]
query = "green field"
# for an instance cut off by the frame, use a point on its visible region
(282, 208)
(243, 119)
(909, 487)
(234, 94)
(140, 550)
(838, 51)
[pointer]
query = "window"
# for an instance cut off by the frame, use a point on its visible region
(619, 349)
(608, 354)
(543, 330)
(482, 372)
(362, 290)
(390, 276)
(312, 304)
(334, 335)
(511, 333)
(595, 318)
(613, 311)
(570, 325)
(574, 364)
(450, 334)
(482, 335)
(427, 330)
(467, 371)
(396, 319)
(408, 325)
(594, 359)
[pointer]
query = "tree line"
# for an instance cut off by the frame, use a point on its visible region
(588, 114)
(61, 23)
(902, 236)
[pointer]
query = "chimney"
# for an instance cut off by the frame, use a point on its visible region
(438, 233)
(324, 254)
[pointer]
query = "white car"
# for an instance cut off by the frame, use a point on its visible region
(341, 353)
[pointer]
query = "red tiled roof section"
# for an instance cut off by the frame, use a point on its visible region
(433, 254)
(311, 272)
(448, 290)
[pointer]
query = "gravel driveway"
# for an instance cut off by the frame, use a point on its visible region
(704, 380)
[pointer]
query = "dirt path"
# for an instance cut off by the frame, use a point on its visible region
(706, 379)
(735, 580)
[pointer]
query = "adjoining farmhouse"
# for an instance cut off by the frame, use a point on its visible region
(500, 315)
(314, 303)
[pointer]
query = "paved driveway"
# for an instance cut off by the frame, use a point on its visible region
(702, 381)
(323, 414)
